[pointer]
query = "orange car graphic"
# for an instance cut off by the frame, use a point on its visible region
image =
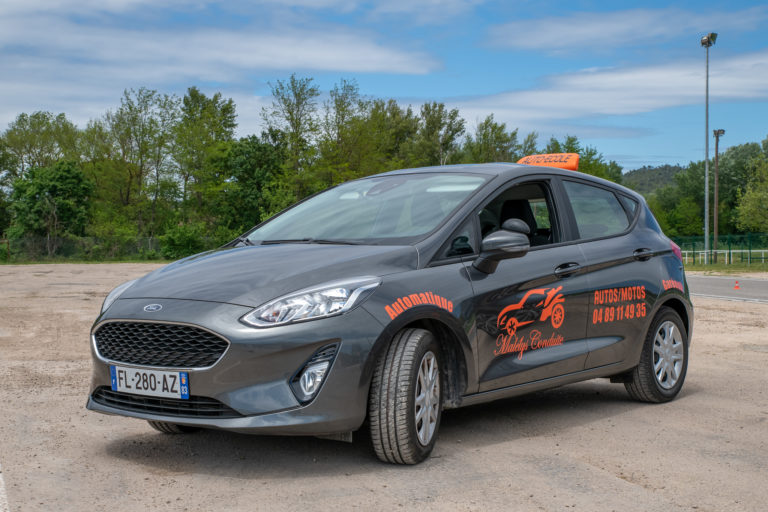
(526, 312)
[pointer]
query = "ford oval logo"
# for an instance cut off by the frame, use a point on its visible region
(151, 308)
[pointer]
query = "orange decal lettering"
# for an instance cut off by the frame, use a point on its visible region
(669, 284)
(619, 304)
(417, 299)
(561, 160)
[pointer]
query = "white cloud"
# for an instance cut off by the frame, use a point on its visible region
(582, 30)
(51, 62)
(212, 54)
(123, 6)
(8, 7)
(584, 96)
(424, 11)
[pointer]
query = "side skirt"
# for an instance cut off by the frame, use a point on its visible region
(552, 382)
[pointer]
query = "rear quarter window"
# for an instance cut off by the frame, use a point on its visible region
(630, 205)
(597, 211)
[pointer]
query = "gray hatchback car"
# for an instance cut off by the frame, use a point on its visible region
(394, 297)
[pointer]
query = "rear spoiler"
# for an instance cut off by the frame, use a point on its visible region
(568, 161)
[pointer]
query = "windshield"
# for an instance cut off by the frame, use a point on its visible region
(386, 209)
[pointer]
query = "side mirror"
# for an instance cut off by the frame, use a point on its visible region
(503, 245)
(516, 226)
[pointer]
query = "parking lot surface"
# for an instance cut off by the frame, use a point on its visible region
(581, 447)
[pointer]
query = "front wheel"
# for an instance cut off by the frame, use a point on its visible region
(405, 402)
(663, 362)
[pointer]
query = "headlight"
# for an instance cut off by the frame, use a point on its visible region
(114, 294)
(321, 301)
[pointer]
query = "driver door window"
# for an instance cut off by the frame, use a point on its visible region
(529, 202)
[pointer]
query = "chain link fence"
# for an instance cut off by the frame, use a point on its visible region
(42, 249)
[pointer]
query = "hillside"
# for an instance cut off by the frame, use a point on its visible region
(647, 179)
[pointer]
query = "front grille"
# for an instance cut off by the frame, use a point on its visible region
(195, 407)
(154, 344)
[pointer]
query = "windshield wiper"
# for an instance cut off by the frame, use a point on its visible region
(308, 241)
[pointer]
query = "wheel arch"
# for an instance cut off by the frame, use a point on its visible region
(459, 367)
(679, 307)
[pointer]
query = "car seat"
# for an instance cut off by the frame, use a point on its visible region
(521, 209)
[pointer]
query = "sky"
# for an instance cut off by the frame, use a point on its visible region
(627, 78)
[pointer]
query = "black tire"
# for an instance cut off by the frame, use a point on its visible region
(642, 383)
(392, 400)
(171, 428)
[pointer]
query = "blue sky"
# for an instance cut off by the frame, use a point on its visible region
(627, 78)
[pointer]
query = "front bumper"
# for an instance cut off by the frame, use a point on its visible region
(252, 377)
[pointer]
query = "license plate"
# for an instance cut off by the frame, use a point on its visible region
(150, 382)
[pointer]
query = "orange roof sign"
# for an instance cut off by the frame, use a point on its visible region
(561, 160)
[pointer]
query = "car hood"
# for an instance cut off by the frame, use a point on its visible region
(251, 276)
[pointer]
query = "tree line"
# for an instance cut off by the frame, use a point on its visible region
(170, 168)
(678, 201)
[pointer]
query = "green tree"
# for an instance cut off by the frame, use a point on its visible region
(8, 164)
(127, 155)
(203, 124)
(387, 130)
(294, 112)
(340, 138)
(491, 143)
(686, 218)
(528, 147)
(438, 135)
(51, 202)
(737, 167)
(5, 213)
(39, 139)
(752, 209)
(248, 168)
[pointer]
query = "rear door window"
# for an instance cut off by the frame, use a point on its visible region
(597, 211)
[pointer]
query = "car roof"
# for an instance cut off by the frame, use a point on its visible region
(508, 171)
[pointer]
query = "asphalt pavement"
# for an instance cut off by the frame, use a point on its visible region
(725, 287)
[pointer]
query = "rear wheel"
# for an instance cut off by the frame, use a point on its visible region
(663, 362)
(171, 428)
(405, 402)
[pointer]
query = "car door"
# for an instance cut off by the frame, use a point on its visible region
(531, 312)
(620, 271)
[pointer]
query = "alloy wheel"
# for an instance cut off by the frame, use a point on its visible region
(668, 355)
(427, 399)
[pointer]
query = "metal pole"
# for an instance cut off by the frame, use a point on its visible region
(717, 204)
(706, 165)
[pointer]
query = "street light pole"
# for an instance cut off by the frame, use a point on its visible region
(707, 41)
(717, 134)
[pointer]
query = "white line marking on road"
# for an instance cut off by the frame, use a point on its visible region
(3, 498)
(729, 278)
(725, 297)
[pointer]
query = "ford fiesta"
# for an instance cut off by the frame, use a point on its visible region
(394, 297)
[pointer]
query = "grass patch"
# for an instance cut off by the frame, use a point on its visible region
(735, 268)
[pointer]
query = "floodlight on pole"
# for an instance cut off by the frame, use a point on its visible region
(707, 41)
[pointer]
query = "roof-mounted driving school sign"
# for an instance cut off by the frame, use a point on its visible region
(568, 161)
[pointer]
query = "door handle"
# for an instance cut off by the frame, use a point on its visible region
(643, 254)
(566, 269)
